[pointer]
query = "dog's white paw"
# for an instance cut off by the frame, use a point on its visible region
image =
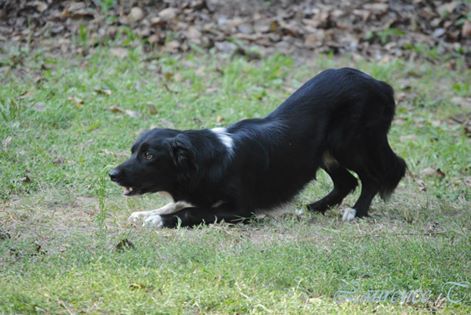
(348, 214)
(135, 217)
(153, 221)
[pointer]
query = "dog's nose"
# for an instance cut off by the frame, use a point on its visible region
(114, 174)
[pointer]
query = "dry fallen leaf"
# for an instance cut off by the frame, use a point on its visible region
(463, 119)
(431, 171)
(137, 286)
(136, 14)
(376, 7)
(156, 22)
(433, 228)
(172, 46)
(130, 113)
(250, 55)
(201, 71)
(78, 10)
(58, 161)
(78, 102)
(168, 75)
(25, 179)
(466, 30)
(168, 14)
(119, 52)
(226, 47)
(6, 142)
(314, 39)
(463, 102)
(152, 109)
(116, 109)
(25, 94)
(102, 91)
(40, 6)
(421, 185)
(194, 34)
(447, 8)
(123, 245)
(141, 286)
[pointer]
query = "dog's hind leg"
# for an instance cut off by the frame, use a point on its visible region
(380, 172)
(369, 189)
(344, 183)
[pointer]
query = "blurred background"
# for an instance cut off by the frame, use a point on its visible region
(371, 29)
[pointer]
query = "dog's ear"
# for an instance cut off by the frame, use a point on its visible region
(183, 155)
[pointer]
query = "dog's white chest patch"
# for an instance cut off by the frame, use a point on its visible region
(225, 138)
(328, 160)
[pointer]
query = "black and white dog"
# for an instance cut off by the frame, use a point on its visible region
(337, 121)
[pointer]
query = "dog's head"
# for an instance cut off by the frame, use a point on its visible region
(160, 159)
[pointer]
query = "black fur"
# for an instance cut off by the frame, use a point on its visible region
(337, 121)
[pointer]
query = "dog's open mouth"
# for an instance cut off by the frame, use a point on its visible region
(131, 191)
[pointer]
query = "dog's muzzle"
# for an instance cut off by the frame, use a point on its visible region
(115, 174)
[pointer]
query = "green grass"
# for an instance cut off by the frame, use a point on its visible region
(59, 137)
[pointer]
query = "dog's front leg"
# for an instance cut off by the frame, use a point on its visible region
(169, 208)
(194, 216)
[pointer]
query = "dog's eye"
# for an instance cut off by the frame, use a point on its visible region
(148, 156)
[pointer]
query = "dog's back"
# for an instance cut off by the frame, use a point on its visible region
(343, 113)
(346, 94)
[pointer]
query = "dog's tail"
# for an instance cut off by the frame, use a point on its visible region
(393, 169)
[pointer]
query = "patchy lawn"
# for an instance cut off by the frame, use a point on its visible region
(65, 246)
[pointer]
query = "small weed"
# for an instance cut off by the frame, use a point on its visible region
(105, 5)
(461, 88)
(100, 190)
(10, 109)
(385, 36)
(83, 35)
(424, 50)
